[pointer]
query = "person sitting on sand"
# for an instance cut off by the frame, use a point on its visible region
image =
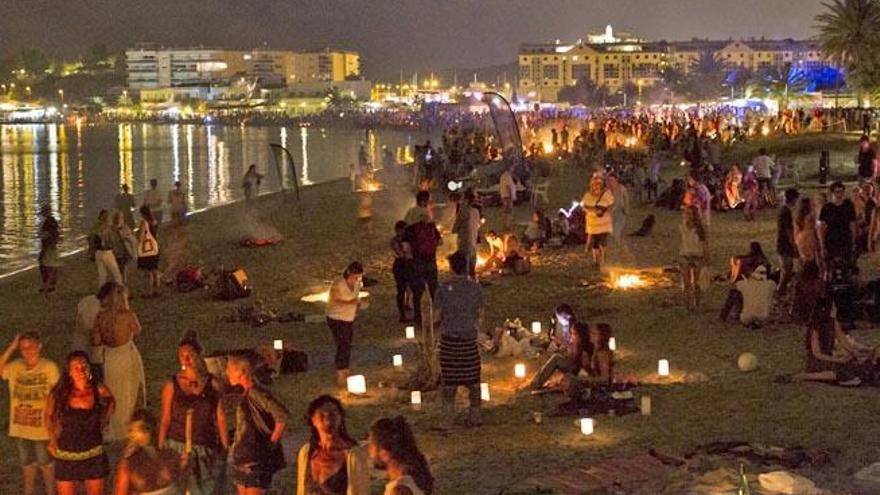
(757, 297)
(742, 266)
(822, 338)
(536, 231)
(587, 351)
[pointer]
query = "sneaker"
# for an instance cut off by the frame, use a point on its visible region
(854, 382)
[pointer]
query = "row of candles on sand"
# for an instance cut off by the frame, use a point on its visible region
(357, 385)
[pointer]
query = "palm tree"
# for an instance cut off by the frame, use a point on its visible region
(847, 35)
(782, 84)
(706, 76)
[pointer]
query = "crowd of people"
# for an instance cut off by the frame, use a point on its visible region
(70, 425)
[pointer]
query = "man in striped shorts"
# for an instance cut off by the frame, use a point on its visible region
(459, 303)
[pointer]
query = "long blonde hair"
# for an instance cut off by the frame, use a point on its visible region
(117, 300)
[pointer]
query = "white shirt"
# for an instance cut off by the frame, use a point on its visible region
(763, 167)
(342, 311)
(757, 299)
(153, 199)
(598, 224)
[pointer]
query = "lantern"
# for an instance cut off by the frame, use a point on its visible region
(484, 391)
(612, 344)
(536, 327)
(410, 333)
(663, 367)
(397, 360)
(587, 426)
(357, 384)
(519, 370)
(416, 399)
(278, 344)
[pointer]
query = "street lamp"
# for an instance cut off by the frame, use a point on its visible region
(61, 95)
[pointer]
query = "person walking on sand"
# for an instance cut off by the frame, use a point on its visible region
(251, 183)
(30, 379)
(101, 250)
(342, 306)
(598, 203)
(177, 203)
(50, 262)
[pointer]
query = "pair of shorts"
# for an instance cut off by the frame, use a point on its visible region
(598, 241)
(32, 451)
(148, 263)
(250, 477)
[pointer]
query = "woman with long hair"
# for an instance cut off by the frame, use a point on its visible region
(695, 253)
(101, 250)
(115, 328)
(393, 448)
(123, 242)
(331, 462)
(148, 251)
(259, 424)
(822, 338)
(193, 389)
(806, 236)
(77, 409)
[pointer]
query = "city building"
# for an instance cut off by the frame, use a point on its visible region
(151, 66)
(615, 61)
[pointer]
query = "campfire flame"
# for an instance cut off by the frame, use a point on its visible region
(371, 185)
(628, 281)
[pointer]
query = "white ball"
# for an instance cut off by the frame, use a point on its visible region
(747, 362)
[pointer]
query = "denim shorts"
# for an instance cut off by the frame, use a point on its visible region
(32, 451)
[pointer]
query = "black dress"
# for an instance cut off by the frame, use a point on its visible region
(80, 455)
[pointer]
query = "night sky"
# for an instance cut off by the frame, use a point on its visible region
(390, 34)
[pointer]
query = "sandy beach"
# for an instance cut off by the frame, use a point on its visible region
(711, 401)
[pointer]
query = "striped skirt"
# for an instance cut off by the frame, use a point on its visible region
(459, 361)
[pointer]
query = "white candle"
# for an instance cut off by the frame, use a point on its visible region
(484, 391)
(278, 344)
(587, 426)
(519, 370)
(646, 405)
(410, 333)
(416, 397)
(536, 327)
(357, 384)
(397, 360)
(612, 344)
(663, 367)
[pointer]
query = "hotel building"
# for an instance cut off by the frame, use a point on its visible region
(614, 61)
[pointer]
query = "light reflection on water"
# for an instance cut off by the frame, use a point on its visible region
(77, 169)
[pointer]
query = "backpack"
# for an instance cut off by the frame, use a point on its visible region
(426, 240)
(189, 279)
(233, 284)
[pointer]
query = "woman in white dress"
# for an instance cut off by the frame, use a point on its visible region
(115, 328)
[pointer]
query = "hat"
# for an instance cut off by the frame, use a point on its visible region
(760, 273)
